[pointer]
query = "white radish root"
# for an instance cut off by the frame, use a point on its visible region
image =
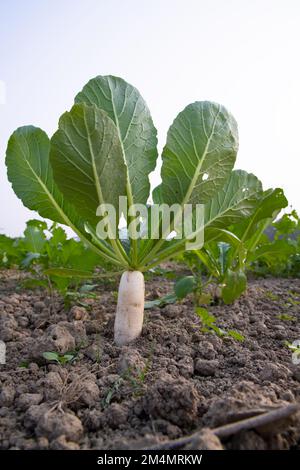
(130, 308)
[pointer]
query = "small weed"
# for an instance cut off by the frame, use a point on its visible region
(292, 347)
(209, 325)
(61, 359)
(271, 296)
(24, 364)
(112, 391)
(115, 295)
(292, 301)
(138, 378)
(78, 297)
(286, 317)
(236, 335)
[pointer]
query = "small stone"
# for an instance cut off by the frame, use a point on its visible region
(205, 440)
(296, 372)
(172, 311)
(273, 372)
(55, 424)
(23, 322)
(7, 395)
(29, 444)
(78, 313)
(288, 395)
(61, 443)
(33, 415)
(39, 305)
(27, 399)
(163, 426)
(92, 327)
(248, 440)
(173, 399)
(77, 330)
(12, 300)
(131, 361)
(186, 367)
(206, 368)
(206, 350)
(53, 385)
(116, 415)
(94, 352)
(90, 393)
(43, 443)
(33, 367)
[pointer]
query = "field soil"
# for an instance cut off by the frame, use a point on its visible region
(174, 380)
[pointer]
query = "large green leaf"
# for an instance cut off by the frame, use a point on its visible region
(235, 202)
(199, 154)
(125, 106)
(30, 173)
(87, 160)
(271, 252)
(268, 207)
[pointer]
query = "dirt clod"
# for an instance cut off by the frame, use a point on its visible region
(206, 368)
(173, 399)
(55, 424)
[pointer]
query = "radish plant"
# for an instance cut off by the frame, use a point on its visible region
(230, 254)
(102, 154)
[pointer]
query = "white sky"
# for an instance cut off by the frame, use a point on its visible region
(243, 54)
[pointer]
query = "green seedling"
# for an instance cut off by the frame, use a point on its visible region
(286, 317)
(209, 325)
(61, 359)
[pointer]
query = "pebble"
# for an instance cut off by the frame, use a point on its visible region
(206, 368)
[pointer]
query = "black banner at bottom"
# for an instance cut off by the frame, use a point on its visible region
(130, 459)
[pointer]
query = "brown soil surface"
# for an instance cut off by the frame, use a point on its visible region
(172, 381)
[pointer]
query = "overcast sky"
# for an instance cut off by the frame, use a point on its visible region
(243, 54)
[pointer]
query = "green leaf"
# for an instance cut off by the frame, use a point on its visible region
(66, 358)
(267, 207)
(32, 283)
(235, 284)
(207, 319)
(199, 154)
(87, 288)
(272, 252)
(236, 335)
(30, 173)
(161, 302)
(76, 273)
(125, 106)
(58, 237)
(34, 239)
(65, 272)
(29, 258)
(184, 286)
(51, 356)
(223, 256)
(87, 160)
(233, 203)
(39, 224)
(156, 195)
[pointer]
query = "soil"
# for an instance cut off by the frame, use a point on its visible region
(172, 381)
